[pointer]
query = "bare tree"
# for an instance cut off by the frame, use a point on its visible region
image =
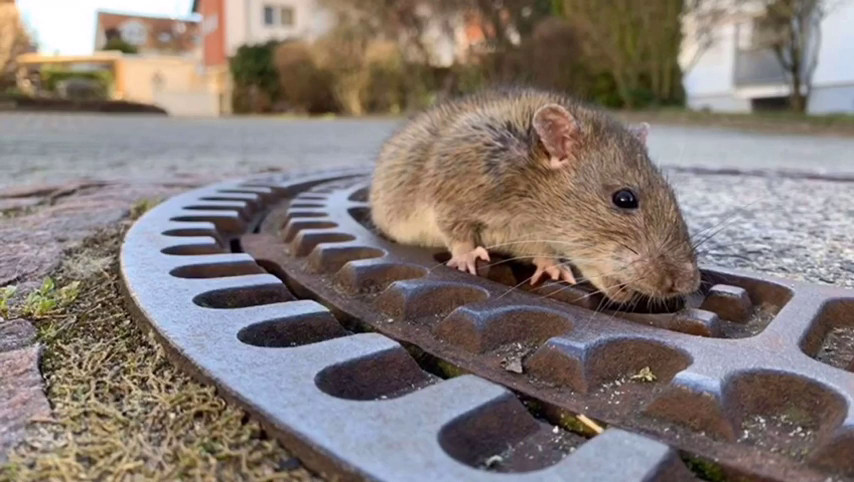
(14, 41)
(792, 30)
(639, 43)
(401, 21)
(636, 44)
(700, 22)
(408, 25)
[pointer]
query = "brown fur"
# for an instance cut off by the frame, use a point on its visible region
(475, 170)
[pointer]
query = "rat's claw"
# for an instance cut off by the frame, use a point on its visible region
(467, 262)
(554, 270)
(566, 274)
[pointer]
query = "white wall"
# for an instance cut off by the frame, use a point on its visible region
(712, 74)
(719, 103)
(832, 100)
(836, 54)
(245, 22)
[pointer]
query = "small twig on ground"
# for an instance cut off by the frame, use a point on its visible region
(590, 423)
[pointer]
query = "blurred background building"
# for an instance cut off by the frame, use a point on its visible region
(358, 57)
(740, 72)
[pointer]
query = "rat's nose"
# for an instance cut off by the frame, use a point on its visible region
(667, 283)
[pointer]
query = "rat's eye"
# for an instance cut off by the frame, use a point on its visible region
(625, 199)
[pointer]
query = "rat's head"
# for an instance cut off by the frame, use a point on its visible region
(617, 212)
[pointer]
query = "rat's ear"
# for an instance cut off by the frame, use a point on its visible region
(641, 131)
(559, 132)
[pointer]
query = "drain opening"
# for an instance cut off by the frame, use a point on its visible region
(386, 375)
(193, 249)
(830, 339)
(244, 296)
(234, 244)
(505, 437)
(539, 434)
(216, 270)
(292, 331)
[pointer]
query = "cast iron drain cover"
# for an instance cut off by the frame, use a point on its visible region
(342, 344)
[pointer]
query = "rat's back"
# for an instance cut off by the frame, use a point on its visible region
(400, 205)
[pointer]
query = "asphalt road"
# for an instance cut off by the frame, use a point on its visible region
(799, 229)
(43, 147)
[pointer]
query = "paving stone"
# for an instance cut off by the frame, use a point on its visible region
(15, 334)
(21, 394)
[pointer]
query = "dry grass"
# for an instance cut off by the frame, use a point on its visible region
(122, 411)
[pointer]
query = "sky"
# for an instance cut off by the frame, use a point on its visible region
(68, 26)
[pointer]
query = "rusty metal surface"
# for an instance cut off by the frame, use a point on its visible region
(357, 405)
(755, 373)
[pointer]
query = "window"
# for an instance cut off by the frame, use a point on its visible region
(287, 16)
(279, 16)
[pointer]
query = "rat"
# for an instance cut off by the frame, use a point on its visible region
(541, 177)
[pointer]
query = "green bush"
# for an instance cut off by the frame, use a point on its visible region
(102, 80)
(117, 43)
(256, 82)
(386, 87)
(52, 77)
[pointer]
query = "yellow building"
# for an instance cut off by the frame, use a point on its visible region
(168, 81)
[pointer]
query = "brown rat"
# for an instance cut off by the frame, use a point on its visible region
(541, 177)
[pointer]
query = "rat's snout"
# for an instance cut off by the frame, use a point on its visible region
(666, 284)
(681, 279)
(657, 276)
(668, 279)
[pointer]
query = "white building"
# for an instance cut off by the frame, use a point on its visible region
(731, 75)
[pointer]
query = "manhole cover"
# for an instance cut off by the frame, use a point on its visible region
(373, 360)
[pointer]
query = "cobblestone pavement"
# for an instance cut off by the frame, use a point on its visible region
(795, 228)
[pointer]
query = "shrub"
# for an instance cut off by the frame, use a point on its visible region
(250, 99)
(341, 53)
(552, 57)
(86, 84)
(117, 43)
(305, 87)
(256, 82)
(386, 88)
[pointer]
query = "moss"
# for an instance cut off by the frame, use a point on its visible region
(121, 410)
(449, 370)
(570, 422)
(143, 206)
(704, 469)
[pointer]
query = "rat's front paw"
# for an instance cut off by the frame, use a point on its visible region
(554, 270)
(467, 261)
